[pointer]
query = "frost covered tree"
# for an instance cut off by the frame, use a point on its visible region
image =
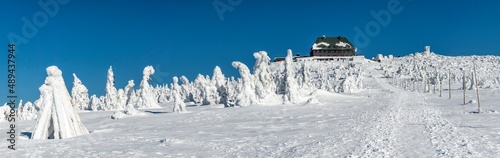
(146, 97)
(186, 90)
(211, 95)
(291, 88)
(80, 94)
(246, 92)
(121, 100)
(304, 79)
(129, 92)
(220, 84)
(264, 84)
(163, 93)
(26, 112)
(95, 104)
(231, 90)
(58, 117)
(205, 90)
(111, 92)
(4, 110)
(179, 105)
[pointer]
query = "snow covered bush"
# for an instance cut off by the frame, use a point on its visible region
(58, 117)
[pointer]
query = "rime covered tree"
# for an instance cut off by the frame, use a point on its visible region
(111, 92)
(220, 84)
(186, 90)
(146, 97)
(246, 93)
(291, 88)
(179, 105)
(264, 84)
(79, 94)
(129, 92)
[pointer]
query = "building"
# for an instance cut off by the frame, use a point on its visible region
(333, 46)
(329, 49)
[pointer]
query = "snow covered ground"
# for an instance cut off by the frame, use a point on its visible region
(379, 121)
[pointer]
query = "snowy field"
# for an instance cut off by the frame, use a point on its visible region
(381, 120)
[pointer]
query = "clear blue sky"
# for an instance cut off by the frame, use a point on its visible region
(189, 37)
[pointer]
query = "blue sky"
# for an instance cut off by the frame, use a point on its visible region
(189, 37)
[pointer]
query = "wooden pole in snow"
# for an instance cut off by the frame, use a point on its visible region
(477, 90)
(434, 85)
(463, 84)
(428, 84)
(440, 86)
(449, 84)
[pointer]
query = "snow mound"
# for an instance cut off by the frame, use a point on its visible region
(118, 115)
(313, 100)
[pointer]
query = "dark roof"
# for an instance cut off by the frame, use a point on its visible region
(332, 41)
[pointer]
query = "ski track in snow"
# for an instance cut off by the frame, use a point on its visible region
(406, 118)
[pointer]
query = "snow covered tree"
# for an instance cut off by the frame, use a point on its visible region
(26, 112)
(304, 79)
(121, 99)
(231, 90)
(4, 110)
(246, 94)
(58, 116)
(264, 85)
(179, 105)
(291, 88)
(95, 104)
(211, 95)
(163, 93)
(80, 94)
(146, 93)
(111, 92)
(186, 90)
(220, 84)
(129, 92)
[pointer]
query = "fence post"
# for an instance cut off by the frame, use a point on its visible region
(463, 83)
(449, 84)
(477, 90)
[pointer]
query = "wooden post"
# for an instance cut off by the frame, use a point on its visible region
(440, 86)
(477, 90)
(428, 84)
(449, 84)
(463, 84)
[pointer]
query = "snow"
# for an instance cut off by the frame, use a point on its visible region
(341, 109)
(320, 45)
(343, 44)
